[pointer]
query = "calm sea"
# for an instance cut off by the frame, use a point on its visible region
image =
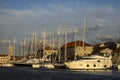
(15, 73)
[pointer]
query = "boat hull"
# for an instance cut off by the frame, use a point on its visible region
(22, 64)
(89, 64)
(49, 66)
(34, 65)
(7, 65)
(118, 66)
(59, 66)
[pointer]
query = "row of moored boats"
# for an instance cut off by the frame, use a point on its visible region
(89, 62)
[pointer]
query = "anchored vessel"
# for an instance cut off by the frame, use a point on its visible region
(91, 62)
(29, 63)
(35, 63)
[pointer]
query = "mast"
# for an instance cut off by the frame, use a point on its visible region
(59, 44)
(32, 42)
(10, 49)
(65, 57)
(53, 43)
(28, 49)
(24, 46)
(84, 27)
(21, 49)
(35, 39)
(44, 44)
(53, 46)
(75, 43)
(14, 47)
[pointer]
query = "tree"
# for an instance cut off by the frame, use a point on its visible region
(97, 49)
(110, 45)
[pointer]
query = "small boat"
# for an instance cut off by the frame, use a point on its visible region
(35, 63)
(28, 63)
(22, 64)
(59, 65)
(90, 62)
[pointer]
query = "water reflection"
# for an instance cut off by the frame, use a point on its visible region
(99, 72)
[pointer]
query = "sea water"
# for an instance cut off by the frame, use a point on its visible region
(16, 73)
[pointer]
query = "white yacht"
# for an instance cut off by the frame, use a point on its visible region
(35, 63)
(28, 63)
(91, 62)
(118, 66)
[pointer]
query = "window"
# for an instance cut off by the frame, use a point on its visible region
(105, 65)
(98, 61)
(87, 65)
(94, 65)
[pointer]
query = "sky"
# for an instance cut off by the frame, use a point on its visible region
(19, 18)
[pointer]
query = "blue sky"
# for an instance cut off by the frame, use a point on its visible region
(21, 17)
(22, 4)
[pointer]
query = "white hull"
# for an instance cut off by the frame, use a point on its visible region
(118, 66)
(36, 65)
(91, 63)
(7, 65)
(49, 66)
(32, 61)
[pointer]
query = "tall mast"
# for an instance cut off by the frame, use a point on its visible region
(35, 39)
(75, 43)
(21, 49)
(53, 47)
(65, 57)
(32, 43)
(84, 27)
(44, 44)
(59, 44)
(28, 46)
(53, 43)
(25, 50)
(14, 47)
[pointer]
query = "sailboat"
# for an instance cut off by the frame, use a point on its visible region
(90, 62)
(24, 62)
(45, 63)
(35, 62)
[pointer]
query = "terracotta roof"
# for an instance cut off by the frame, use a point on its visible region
(116, 51)
(78, 43)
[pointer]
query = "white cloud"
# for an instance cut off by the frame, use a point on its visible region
(20, 22)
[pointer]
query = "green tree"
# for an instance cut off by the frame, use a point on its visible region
(97, 49)
(110, 45)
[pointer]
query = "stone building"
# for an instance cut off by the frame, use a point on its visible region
(48, 52)
(75, 49)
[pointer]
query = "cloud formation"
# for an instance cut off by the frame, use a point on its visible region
(100, 20)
